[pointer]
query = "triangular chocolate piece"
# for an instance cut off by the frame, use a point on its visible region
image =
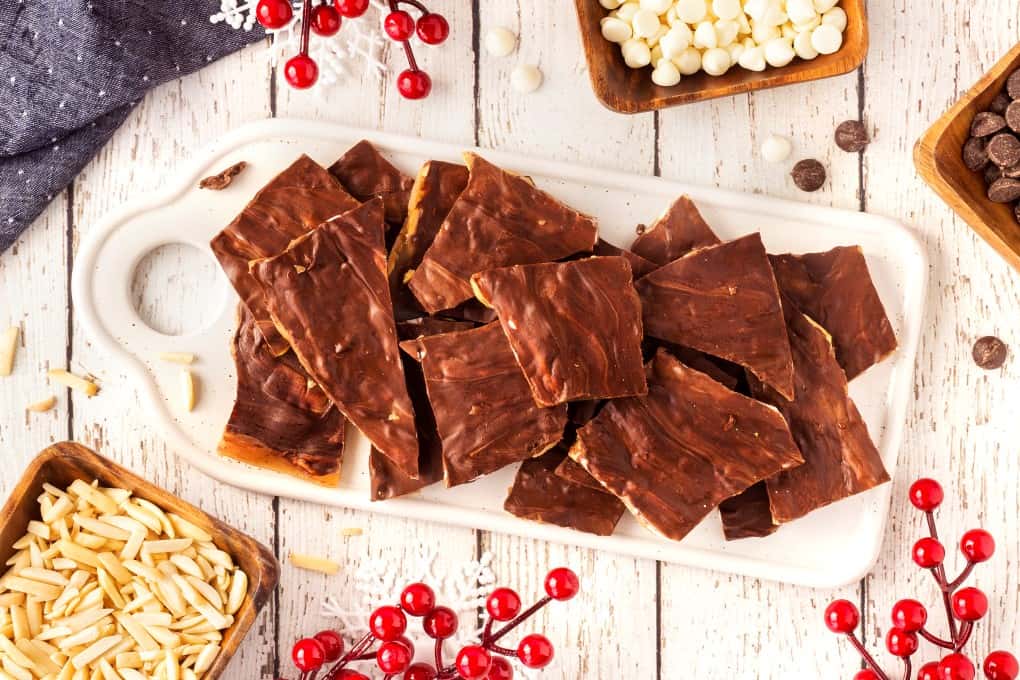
(748, 515)
(722, 300)
(366, 174)
(574, 473)
(639, 266)
(677, 232)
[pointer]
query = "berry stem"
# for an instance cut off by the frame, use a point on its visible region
(906, 668)
(955, 583)
(939, 573)
(413, 3)
(935, 640)
(395, 6)
(439, 655)
(501, 650)
(526, 614)
(868, 659)
(487, 633)
(965, 631)
(306, 25)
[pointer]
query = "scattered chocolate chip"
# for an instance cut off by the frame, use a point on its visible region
(640, 228)
(222, 180)
(1012, 116)
(1000, 103)
(1004, 150)
(975, 156)
(1013, 85)
(1004, 190)
(809, 174)
(851, 136)
(990, 353)
(986, 123)
(992, 173)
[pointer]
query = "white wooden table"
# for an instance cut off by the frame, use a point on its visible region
(642, 620)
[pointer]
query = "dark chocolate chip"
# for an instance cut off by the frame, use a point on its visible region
(990, 353)
(986, 123)
(1013, 172)
(851, 136)
(1004, 150)
(1013, 85)
(975, 155)
(809, 174)
(992, 173)
(999, 104)
(640, 229)
(1013, 116)
(1004, 190)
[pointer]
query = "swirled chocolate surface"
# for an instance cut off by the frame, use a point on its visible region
(366, 174)
(748, 515)
(677, 232)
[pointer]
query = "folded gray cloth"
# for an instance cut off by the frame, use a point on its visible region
(70, 73)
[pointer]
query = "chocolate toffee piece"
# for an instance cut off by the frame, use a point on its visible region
(720, 370)
(575, 327)
(483, 407)
(835, 289)
(366, 174)
(540, 495)
(573, 472)
(289, 206)
(675, 454)
(639, 266)
(747, 515)
(722, 300)
(499, 219)
(329, 298)
(677, 232)
(281, 419)
(839, 457)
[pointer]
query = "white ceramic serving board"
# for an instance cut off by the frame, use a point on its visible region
(830, 547)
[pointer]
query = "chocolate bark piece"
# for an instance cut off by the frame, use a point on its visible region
(281, 420)
(840, 459)
(639, 266)
(835, 289)
(722, 300)
(499, 219)
(366, 174)
(677, 232)
(574, 473)
(289, 206)
(675, 454)
(329, 298)
(727, 373)
(484, 412)
(223, 178)
(747, 515)
(575, 327)
(540, 495)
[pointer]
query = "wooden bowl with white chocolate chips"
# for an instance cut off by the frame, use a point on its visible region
(108, 576)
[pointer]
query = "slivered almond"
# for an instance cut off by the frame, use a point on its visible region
(352, 531)
(43, 405)
(95, 650)
(313, 563)
(177, 357)
(75, 382)
(44, 591)
(188, 390)
(8, 347)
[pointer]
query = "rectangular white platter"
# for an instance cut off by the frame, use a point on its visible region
(830, 547)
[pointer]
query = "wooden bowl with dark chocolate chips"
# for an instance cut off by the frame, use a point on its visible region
(966, 157)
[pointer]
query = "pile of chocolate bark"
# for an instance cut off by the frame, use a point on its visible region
(465, 320)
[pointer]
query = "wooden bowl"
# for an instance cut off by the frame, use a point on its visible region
(628, 90)
(62, 463)
(938, 156)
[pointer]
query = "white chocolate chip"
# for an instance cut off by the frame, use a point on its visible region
(627, 10)
(809, 25)
(779, 52)
(803, 47)
(762, 33)
(753, 59)
(657, 54)
(726, 9)
(823, 6)
(691, 11)
(676, 40)
(689, 61)
(705, 36)
(727, 31)
(613, 29)
(776, 149)
(788, 31)
(826, 39)
(645, 23)
(610, 4)
(654, 39)
(636, 53)
(835, 17)
(800, 11)
(756, 9)
(657, 6)
(500, 42)
(716, 61)
(666, 74)
(735, 49)
(525, 78)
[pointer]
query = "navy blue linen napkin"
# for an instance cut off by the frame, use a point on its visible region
(70, 73)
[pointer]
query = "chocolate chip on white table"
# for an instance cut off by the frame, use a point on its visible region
(1000, 103)
(1004, 190)
(1013, 85)
(975, 155)
(851, 136)
(986, 123)
(1004, 150)
(989, 352)
(808, 174)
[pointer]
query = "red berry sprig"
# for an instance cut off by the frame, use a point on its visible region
(963, 606)
(395, 654)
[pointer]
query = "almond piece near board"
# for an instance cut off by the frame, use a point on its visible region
(42, 405)
(8, 346)
(75, 382)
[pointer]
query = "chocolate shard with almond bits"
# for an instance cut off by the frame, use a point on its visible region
(748, 515)
(329, 298)
(366, 174)
(540, 495)
(499, 219)
(281, 420)
(722, 300)
(574, 473)
(677, 232)
(639, 266)
(840, 459)
(678, 452)
(835, 289)
(575, 327)
(485, 415)
(289, 206)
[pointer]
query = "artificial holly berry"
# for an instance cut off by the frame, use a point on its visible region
(399, 25)
(926, 494)
(440, 623)
(909, 615)
(352, 9)
(420, 671)
(866, 674)
(406, 641)
(325, 20)
(308, 654)
(955, 667)
(500, 669)
(332, 644)
(562, 584)
(1000, 665)
(348, 674)
(433, 28)
(393, 657)
(969, 604)
(473, 662)
(503, 604)
(387, 623)
(900, 642)
(535, 651)
(977, 545)
(842, 616)
(929, 671)
(274, 14)
(418, 599)
(301, 71)
(414, 84)
(928, 553)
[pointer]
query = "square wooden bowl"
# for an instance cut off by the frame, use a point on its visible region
(62, 463)
(938, 156)
(628, 90)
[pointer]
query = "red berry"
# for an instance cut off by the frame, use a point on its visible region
(420, 671)
(977, 545)
(274, 14)
(909, 615)
(562, 584)
(473, 662)
(393, 657)
(500, 669)
(535, 651)
(929, 671)
(399, 25)
(348, 674)
(352, 9)
(1000, 665)
(956, 667)
(308, 654)
(842, 616)
(332, 644)
(387, 623)
(418, 599)
(900, 642)
(928, 553)
(325, 20)
(301, 71)
(414, 84)
(926, 494)
(503, 604)
(969, 604)
(866, 674)
(433, 28)
(440, 623)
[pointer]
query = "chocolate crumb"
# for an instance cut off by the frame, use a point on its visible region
(1004, 190)
(990, 353)
(1004, 150)
(975, 155)
(223, 179)
(1013, 85)
(851, 136)
(986, 123)
(999, 104)
(808, 175)
(640, 228)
